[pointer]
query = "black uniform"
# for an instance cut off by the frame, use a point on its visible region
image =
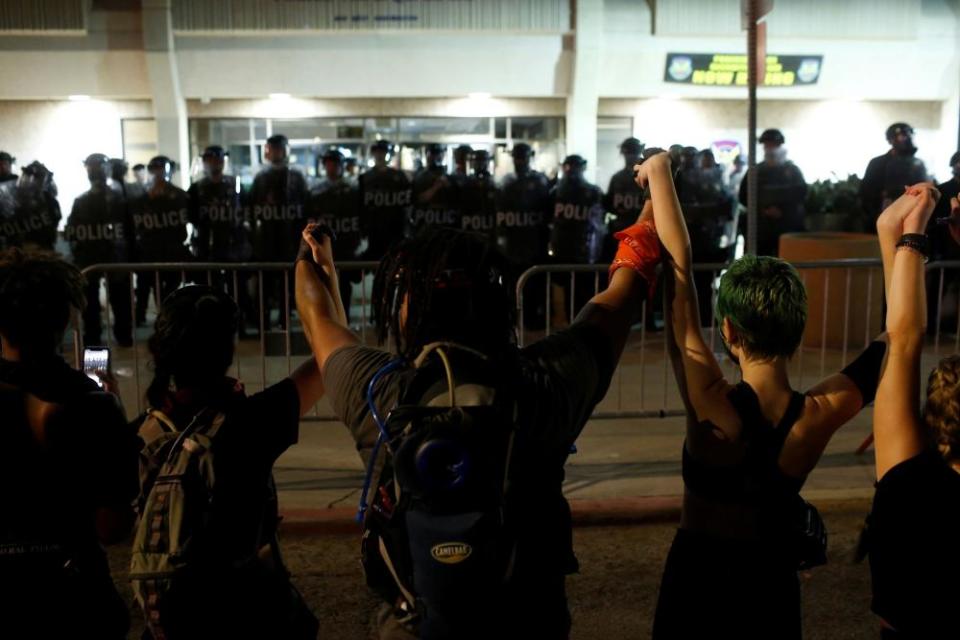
(337, 204)
(36, 216)
(623, 202)
(780, 197)
(478, 204)
(523, 217)
(385, 204)
(100, 230)
(576, 235)
(222, 229)
(522, 232)
(439, 208)
(884, 180)
(277, 202)
(707, 210)
(160, 227)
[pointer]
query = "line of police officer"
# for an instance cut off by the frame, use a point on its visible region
(532, 219)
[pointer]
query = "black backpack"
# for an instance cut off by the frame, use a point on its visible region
(437, 540)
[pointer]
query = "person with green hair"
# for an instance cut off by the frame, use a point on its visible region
(744, 531)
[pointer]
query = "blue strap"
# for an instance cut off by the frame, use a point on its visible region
(382, 437)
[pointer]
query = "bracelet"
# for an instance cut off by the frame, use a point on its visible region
(917, 242)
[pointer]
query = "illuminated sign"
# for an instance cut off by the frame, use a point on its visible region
(730, 70)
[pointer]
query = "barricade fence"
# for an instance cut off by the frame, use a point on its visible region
(845, 300)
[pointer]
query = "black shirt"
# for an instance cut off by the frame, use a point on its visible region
(912, 536)
(440, 208)
(256, 431)
(277, 200)
(88, 461)
(563, 377)
(884, 180)
(215, 210)
(577, 227)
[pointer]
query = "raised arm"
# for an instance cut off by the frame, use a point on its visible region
(897, 429)
(318, 301)
(615, 309)
(702, 386)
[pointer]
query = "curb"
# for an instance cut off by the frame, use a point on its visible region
(585, 513)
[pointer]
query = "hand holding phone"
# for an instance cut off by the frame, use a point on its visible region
(96, 364)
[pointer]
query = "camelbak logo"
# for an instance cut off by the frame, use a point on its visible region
(451, 552)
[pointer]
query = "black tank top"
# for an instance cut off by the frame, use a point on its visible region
(757, 478)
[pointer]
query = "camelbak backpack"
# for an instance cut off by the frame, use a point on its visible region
(436, 536)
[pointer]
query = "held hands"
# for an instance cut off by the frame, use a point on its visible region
(910, 212)
(320, 250)
(643, 169)
(926, 197)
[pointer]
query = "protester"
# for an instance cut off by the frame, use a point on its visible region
(218, 575)
(443, 293)
(915, 518)
(732, 567)
(68, 464)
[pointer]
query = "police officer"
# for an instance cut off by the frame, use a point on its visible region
(385, 202)
(707, 210)
(522, 226)
(36, 212)
(277, 202)
(887, 175)
(335, 202)
(6, 168)
(462, 156)
(576, 233)
(118, 180)
(478, 196)
(624, 199)
(434, 193)
(781, 190)
(160, 218)
(222, 230)
(99, 230)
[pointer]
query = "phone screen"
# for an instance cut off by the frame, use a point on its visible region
(96, 359)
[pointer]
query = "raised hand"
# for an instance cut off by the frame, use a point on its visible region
(926, 197)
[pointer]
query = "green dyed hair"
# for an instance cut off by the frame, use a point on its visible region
(766, 302)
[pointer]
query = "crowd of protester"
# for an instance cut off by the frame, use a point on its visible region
(464, 435)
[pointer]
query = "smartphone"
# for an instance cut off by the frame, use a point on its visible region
(96, 359)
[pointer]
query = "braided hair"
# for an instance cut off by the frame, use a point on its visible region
(443, 285)
(192, 345)
(38, 290)
(941, 412)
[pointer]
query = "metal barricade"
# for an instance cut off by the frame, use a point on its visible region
(846, 313)
(642, 384)
(248, 284)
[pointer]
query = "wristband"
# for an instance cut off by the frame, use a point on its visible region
(916, 241)
(639, 250)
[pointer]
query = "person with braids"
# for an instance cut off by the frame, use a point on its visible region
(915, 521)
(744, 531)
(68, 464)
(235, 585)
(447, 286)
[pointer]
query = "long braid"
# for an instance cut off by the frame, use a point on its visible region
(481, 311)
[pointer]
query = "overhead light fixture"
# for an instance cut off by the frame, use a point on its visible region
(78, 97)
(479, 95)
(279, 96)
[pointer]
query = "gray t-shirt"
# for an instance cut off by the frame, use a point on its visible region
(559, 381)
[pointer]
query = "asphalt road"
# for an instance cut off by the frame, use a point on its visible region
(613, 596)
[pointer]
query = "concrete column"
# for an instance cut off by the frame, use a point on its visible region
(169, 106)
(583, 99)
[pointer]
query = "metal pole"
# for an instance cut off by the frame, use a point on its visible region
(752, 185)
